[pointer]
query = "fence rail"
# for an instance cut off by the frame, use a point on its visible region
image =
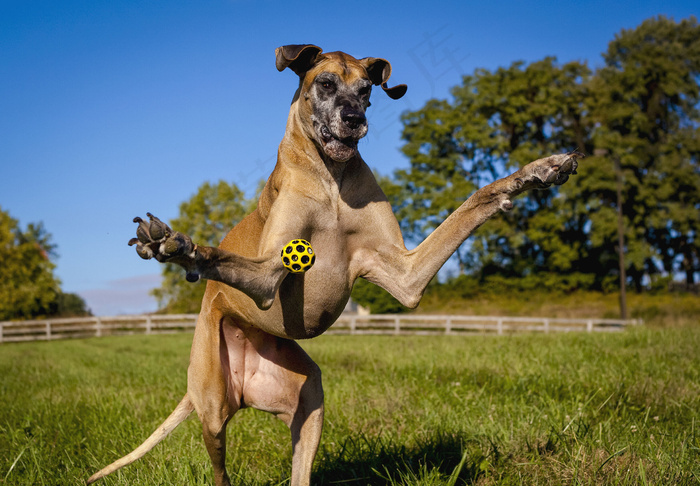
(83, 327)
(455, 324)
(396, 324)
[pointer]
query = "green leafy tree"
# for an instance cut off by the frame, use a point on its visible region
(28, 287)
(206, 217)
(647, 118)
(69, 305)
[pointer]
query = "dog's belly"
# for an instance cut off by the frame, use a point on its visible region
(310, 303)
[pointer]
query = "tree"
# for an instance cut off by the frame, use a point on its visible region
(28, 287)
(69, 305)
(206, 217)
(647, 119)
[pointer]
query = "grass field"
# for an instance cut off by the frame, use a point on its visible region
(618, 409)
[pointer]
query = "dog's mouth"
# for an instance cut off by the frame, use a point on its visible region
(338, 148)
(329, 137)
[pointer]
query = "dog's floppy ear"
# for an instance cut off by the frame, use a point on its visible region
(379, 71)
(297, 57)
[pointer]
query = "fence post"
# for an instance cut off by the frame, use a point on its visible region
(98, 327)
(499, 326)
(48, 330)
(397, 325)
(353, 324)
(1, 325)
(589, 326)
(546, 326)
(448, 326)
(149, 325)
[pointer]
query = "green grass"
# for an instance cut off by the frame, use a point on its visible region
(582, 409)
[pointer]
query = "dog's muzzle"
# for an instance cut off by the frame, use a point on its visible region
(339, 137)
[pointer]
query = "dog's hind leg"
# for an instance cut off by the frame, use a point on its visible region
(306, 426)
(305, 417)
(213, 388)
(215, 441)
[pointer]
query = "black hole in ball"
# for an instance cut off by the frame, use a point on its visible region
(296, 267)
(305, 259)
(295, 258)
(289, 249)
(301, 248)
(313, 259)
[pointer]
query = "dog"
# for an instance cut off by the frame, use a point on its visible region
(244, 351)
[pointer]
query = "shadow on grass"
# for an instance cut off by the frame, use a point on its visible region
(443, 458)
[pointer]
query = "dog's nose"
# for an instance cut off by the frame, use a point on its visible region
(352, 118)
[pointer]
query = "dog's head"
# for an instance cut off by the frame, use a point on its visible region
(334, 94)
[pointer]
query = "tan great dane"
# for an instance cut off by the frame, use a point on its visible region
(243, 352)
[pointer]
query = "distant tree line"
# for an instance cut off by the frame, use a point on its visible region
(28, 287)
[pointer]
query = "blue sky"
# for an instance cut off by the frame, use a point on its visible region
(109, 109)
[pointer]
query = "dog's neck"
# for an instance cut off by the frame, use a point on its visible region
(337, 169)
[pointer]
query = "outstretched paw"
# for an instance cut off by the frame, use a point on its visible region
(155, 239)
(554, 169)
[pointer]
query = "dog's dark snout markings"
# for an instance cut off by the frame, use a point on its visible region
(353, 118)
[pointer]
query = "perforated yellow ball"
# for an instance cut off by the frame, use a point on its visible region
(298, 256)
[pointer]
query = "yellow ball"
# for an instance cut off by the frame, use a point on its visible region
(298, 256)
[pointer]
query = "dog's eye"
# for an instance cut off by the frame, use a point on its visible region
(364, 91)
(328, 85)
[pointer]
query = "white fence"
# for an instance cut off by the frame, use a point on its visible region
(83, 327)
(454, 325)
(397, 324)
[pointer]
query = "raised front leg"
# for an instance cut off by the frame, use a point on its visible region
(405, 274)
(259, 278)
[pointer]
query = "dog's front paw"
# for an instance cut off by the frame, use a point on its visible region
(155, 239)
(554, 169)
